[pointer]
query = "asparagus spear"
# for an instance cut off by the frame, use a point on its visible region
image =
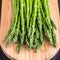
(48, 34)
(41, 40)
(18, 23)
(52, 23)
(47, 13)
(27, 20)
(12, 28)
(17, 30)
(43, 15)
(34, 14)
(27, 7)
(22, 19)
(37, 42)
(30, 6)
(11, 35)
(39, 20)
(54, 37)
(13, 21)
(19, 43)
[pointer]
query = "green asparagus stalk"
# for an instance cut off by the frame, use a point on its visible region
(39, 18)
(34, 14)
(41, 40)
(53, 24)
(11, 35)
(12, 29)
(30, 6)
(13, 21)
(47, 13)
(17, 30)
(27, 20)
(54, 37)
(30, 13)
(19, 43)
(48, 17)
(18, 24)
(43, 15)
(22, 19)
(48, 34)
(27, 7)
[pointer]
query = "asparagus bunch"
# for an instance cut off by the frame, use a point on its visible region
(31, 24)
(49, 21)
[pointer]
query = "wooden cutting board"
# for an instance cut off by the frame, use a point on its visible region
(45, 53)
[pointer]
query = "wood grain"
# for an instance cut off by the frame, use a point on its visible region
(46, 52)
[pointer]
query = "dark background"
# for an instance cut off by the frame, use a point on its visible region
(3, 57)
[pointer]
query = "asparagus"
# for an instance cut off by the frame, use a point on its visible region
(37, 42)
(31, 24)
(12, 29)
(19, 43)
(18, 24)
(11, 35)
(22, 19)
(36, 37)
(39, 18)
(43, 15)
(17, 31)
(30, 18)
(48, 34)
(34, 13)
(27, 7)
(47, 15)
(54, 37)
(41, 40)
(13, 22)
(30, 6)
(27, 20)
(52, 23)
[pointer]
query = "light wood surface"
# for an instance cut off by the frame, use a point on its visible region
(45, 53)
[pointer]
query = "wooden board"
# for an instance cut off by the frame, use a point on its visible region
(45, 53)
(59, 26)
